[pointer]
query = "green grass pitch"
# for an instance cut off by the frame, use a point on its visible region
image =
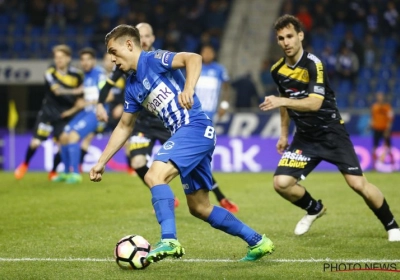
(69, 231)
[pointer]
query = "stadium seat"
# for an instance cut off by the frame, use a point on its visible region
(318, 43)
(386, 59)
(35, 46)
(358, 30)
(389, 44)
(36, 31)
(365, 73)
(382, 85)
(53, 31)
(21, 19)
(3, 30)
(363, 88)
(191, 43)
(4, 19)
(342, 101)
(338, 30)
(71, 31)
(345, 87)
(19, 46)
(384, 73)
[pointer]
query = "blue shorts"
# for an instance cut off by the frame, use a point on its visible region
(190, 149)
(84, 123)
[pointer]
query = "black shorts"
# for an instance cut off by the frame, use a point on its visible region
(378, 135)
(143, 139)
(47, 125)
(304, 155)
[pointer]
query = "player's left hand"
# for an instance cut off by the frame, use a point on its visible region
(271, 102)
(185, 99)
(96, 172)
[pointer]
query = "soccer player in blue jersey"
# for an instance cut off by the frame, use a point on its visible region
(157, 85)
(85, 122)
(149, 129)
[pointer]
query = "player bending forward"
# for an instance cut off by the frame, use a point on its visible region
(158, 86)
(307, 98)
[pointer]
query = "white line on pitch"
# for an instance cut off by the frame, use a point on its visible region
(202, 260)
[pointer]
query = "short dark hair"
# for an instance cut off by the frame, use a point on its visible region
(63, 48)
(286, 20)
(124, 30)
(89, 51)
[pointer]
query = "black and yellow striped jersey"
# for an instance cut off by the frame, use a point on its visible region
(72, 78)
(307, 78)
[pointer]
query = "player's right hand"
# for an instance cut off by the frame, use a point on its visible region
(96, 172)
(101, 113)
(185, 99)
(282, 144)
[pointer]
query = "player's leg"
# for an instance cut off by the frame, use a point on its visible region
(42, 130)
(86, 125)
(157, 178)
(295, 164)
(346, 159)
(58, 130)
(197, 186)
(375, 200)
(85, 143)
(223, 201)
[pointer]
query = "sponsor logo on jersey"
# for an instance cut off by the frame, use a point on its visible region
(294, 159)
(158, 99)
(319, 89)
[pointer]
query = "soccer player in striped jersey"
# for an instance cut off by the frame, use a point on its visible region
(157, 85)
(61, 102)
(149, 129)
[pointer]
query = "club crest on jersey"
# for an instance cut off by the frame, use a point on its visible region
(168, 145)
(146, 84)
(158, 99)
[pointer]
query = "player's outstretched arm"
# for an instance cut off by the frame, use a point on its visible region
(192, 62)
(309, 104)
(118, 138)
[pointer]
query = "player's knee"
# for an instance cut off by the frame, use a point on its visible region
(73, 137)
(198, 211)
(35, 143)
(152, 178)
(358, 184)
(63, 138)
(283, 183)
(138, 161)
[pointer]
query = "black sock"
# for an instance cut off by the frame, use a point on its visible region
(215, 188)
(141, 172)
(29, 154)
(56, 161)
(128, 161)
(309, 204)
(385, 216)
(83, 154)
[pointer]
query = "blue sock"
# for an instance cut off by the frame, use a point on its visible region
(222, 219)
(65, 157)
(163, 203)
(74, 152)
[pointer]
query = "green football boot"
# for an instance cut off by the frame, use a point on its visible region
(74, 178)
(262, 248)
(61, 177)
(166, 248)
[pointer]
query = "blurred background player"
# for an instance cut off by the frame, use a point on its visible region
(63, 85)
(381, 125)
(85, 122)
(149, 128)
(115, 108)
(213, 76)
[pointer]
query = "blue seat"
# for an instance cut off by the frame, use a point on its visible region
(3, 46)
(344, 87)
(21, 19)
(36, 31)
(88, 31)
(390, 44)
(365, 73)
(3, 30)
(191, 43)
(387, 59)
(338, 30)
(358, 30)
(71, 31)
(382, 86)
(35, 46)
(5, 19)
(318, 43)
(19, 46)
(342, 101)
(384, 73)
(18, 31)
(363, 88)
(360, 102)
(53, 31)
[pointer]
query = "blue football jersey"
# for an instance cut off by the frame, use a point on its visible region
(208, 87)
(93, 81)
(155, 86)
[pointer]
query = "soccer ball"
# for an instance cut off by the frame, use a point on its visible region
(131, 252)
